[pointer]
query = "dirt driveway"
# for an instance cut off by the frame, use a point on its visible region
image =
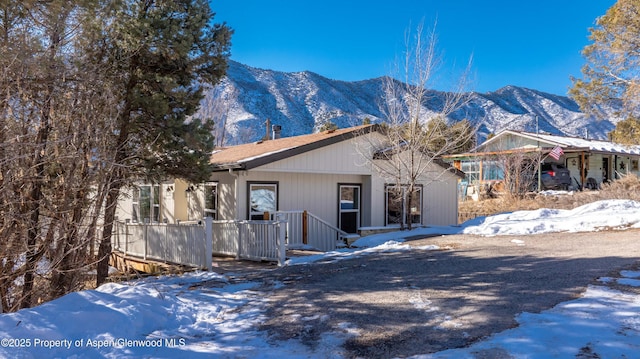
(418, 302)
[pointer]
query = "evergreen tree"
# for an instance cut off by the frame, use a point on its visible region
(613, 59)
(328, 126)
(627, 132)
(160, 55)
(444, 139)
(93, 96)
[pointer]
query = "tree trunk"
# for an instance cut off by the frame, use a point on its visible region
(33, 232)
(112, 189)
(67, 272)
(409, 202)
(104, 250)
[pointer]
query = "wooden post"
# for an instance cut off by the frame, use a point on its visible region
(126, 238)
(208, 242)
(282, 245)
(145, 228)
(583, 165)
(239, 238)
(305, 227)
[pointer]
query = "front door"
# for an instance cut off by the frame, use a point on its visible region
(605, 170)
(349, 207)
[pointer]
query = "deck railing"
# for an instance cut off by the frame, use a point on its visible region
(306, 229)
(183, 244)
(194, 243)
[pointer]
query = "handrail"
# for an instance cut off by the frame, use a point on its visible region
(317, 218)
(340, 231)
(316, 227)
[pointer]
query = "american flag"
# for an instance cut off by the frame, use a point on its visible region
(556, 152)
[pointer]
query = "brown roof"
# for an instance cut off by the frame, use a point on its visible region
(259, 153)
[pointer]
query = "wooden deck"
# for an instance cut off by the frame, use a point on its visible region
(221, 264)
(126, 264)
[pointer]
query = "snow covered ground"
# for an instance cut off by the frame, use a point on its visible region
(204, 315)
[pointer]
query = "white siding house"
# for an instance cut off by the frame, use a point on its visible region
(328, 174)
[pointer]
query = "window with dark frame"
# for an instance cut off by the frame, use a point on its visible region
(349, 211)
(211, 200)
(396, 208)
(263, 197)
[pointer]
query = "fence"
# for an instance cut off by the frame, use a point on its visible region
(193, 244)
(184, 244)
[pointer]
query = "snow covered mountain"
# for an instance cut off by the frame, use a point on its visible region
(302, 102)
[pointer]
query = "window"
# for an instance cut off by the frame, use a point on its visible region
(492, 171)
(263, 197)
(472, 171)
(211, 200)
(402, 207)
(135, 205)
(146, 204)
(155, 200)
(349, 218)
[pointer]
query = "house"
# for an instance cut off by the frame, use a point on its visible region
(590, 162)
(328, 174)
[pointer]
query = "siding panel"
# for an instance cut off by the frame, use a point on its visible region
(344, 157)
(316, 193)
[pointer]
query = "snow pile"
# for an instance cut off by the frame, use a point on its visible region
(611, 214)
(153, 317)
(603, 321)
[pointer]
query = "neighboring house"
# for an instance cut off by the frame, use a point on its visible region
(588, 161)
(328, 174)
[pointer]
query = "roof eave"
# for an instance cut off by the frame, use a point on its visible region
(228, 166)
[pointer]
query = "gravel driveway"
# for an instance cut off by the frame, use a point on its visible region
(418, 302)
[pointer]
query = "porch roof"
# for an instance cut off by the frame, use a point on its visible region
(592, 145)
(548, 141)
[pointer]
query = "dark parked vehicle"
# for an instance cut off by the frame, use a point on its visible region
(555, 176)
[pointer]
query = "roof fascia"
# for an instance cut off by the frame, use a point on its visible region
(530, 136)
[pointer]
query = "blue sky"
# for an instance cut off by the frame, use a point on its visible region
(533, 44)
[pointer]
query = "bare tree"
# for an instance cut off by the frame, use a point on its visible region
(49, 150)
(414, 137)
(518, 169)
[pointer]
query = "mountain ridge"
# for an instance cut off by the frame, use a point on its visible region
(302, 102)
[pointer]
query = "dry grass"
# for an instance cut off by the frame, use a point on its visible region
(625, 188)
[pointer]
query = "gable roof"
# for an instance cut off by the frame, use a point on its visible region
(592, 145)
(567, 143)
(256, 154)
(252, 155)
